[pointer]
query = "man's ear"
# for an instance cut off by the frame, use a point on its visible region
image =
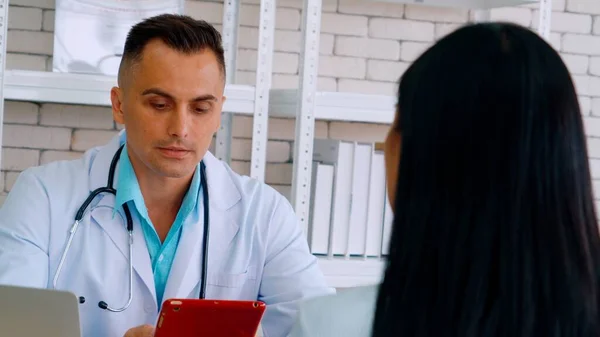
(116, 98)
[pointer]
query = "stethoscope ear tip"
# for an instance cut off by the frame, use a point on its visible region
(81, 299)
(103, 305)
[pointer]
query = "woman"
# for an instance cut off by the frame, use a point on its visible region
(495, 232)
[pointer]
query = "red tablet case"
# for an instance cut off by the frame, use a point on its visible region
(214, 318)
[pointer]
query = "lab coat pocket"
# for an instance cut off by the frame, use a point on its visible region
(233, 286)
(229, 280)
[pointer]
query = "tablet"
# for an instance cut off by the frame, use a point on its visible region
(215, 318)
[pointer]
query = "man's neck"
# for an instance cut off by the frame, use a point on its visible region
(163, 196)
(163, 191)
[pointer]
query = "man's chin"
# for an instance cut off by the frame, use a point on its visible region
(168, 171)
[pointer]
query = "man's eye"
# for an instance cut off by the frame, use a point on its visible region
(202, 109)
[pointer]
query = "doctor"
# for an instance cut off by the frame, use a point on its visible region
(148, 243)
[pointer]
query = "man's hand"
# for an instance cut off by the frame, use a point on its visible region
(140, 331)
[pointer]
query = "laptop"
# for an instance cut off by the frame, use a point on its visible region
(30, 312)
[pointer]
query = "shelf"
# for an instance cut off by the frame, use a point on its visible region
(53, 87)
(65, 88)
(472, 4)
(342, 273)
(338, 106)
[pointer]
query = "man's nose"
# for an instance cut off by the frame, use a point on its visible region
(178, 123)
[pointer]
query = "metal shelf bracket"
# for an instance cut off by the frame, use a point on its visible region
(231, 10)
(263, 87)
(305, 113)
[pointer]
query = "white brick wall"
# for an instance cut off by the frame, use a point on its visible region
(584, 6)
(577, 64)
(399, 29)
(342, 24)
(423, 13)
(360, 7)
(519, 15)
(595, 106)
(412, 50)
(581, 44)
(365, 46)
(567, 22)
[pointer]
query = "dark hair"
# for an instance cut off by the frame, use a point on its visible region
(179, 32)
(495, 232)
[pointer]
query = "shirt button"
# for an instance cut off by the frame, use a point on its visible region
(161, 257)
(149, 308)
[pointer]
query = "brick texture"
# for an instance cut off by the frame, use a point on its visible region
(367, 48)
(344, 24)
(577, 64)
(410, 51)
(367, 87)
(519, 15)
(401, 29)
(361, 132)
(50, 156)
(49, 4)
(567, 22)
(19, 159)
(31, 42)
(385, 70)
(585, 104)
(437, 14)
(76, 116)
(279, 128)
(212, 12)
(26, 18)
(21, 112)
(36, 137)
(595, 65)
(581, 44)
(584, 6)
(443, 29)
(361, 7)
(339, 66)
(595, 107)
(85, 139)
(24, 61)
(48, 21)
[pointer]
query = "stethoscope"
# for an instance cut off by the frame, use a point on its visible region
(110, 189)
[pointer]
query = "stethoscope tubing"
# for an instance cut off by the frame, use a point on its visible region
(129, 221)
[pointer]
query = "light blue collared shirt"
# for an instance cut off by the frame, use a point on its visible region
(162, 254)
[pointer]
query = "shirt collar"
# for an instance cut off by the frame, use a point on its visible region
(128, 188)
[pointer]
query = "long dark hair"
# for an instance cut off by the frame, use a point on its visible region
(495, 232)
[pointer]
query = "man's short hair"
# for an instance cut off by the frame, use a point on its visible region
(180, 32)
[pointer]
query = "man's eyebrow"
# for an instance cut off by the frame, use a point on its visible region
(160, 92)
(156, 91)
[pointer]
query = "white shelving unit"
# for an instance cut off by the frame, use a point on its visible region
(305, 104)
(310, 105)
(45, 86)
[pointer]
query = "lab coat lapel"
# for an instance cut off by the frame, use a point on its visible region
(222, 194)
(115, 227)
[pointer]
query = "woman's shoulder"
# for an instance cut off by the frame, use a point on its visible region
(364, 295)
(348, 313)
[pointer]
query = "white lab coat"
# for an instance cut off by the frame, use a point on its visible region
(256, 251)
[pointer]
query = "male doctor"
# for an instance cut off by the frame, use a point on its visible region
(169, 98)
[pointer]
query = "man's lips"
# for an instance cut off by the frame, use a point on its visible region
(174, 152)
